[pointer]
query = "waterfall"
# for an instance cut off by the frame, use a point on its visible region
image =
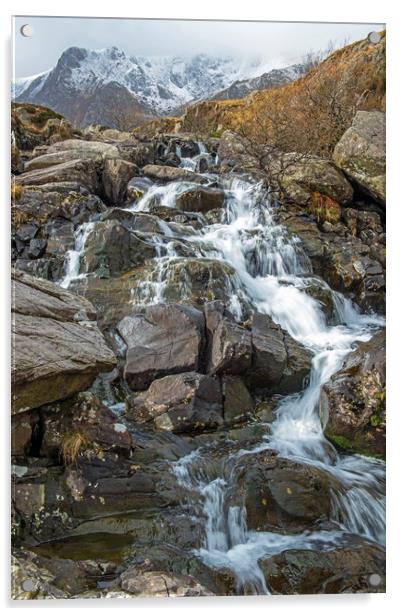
(272, 275)
(73, 257)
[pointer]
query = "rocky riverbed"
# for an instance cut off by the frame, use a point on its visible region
(199, 366)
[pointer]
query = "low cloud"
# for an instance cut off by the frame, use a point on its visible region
(277, 43)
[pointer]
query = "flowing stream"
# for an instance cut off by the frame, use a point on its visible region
(272, 275)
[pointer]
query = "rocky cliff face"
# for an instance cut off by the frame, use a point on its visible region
(271, 79)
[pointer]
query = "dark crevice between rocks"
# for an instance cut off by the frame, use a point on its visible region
(35, 445)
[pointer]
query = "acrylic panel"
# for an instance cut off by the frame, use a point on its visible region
(198, 276)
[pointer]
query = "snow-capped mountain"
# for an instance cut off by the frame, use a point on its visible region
(271, 79)
(89, 85)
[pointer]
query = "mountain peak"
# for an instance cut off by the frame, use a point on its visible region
(159, 85)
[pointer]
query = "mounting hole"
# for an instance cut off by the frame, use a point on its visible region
(374, 37)
(375, 579)
(27, 30)
(28, 585)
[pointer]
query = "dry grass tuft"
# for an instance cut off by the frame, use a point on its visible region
(73, 445)
(16, 192)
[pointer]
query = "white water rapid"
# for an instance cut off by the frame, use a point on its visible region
(272, 275)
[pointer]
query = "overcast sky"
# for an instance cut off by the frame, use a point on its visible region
(278, 43)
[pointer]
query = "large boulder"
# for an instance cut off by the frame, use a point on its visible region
(233, 152)
(84, 149)
(279, 362)
(303, 176)
(165, 173)
(80, 171)
(57, 346)
(166, 339)
(187, 402)
(200, 200)
(38, 206)
(135, 221)
(195, 280)
(95, 483)
(71, 149)
(349, 267)
(229, 344)
(43, 228)
(360, 153)
(353, 400)
(74, 427)
(238, 404)
(111, 249)
(357, 567)
(34, 125)
(280, 494)
(115, 177)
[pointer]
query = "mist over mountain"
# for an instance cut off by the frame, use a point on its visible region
(89, 85)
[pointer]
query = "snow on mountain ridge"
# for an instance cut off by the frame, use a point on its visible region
(81, 84)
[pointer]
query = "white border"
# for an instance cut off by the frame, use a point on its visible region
(384, 11)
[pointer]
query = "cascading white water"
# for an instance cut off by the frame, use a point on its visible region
(272, 275)
(73, 257)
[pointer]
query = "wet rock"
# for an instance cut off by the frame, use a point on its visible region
(82, 172)
(279, 362)
(355, 568)
(238, 404)
(136, 221)
(195, 281)
(171, 214)
(229, 344)
(166, 339)
(348, 268)
(137, 187)
(48, 268)
(188, 147)
(78, 576)
(360, 153)
(112, 297)
(202, 165)
(60, 236)
(172, 174)
(30, 580)
(200, 200)
(57, 349)
(353, 401)
(161, 584)
(115, 177)
(187, 402)
(281, 494)
(81, 425)
(111, 249)
(308, 233)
